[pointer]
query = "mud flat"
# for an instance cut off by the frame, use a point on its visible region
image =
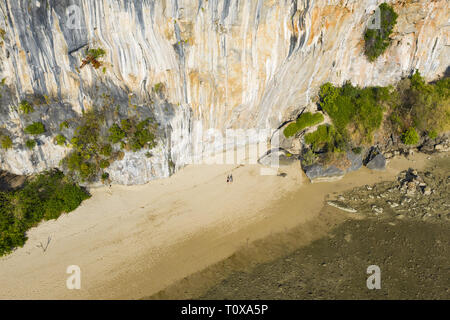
(327, 257)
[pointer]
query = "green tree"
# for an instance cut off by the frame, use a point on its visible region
(30, 144)
(5, 142)
(410, 136)
(60, 140)
(25, 107)
(35, 128)
(43, 197)
(116, 133)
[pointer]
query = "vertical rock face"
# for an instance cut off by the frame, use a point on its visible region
(222, 63)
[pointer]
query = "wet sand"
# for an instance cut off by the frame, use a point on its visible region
(413, 256)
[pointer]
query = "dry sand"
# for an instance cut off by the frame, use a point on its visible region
(131, 242)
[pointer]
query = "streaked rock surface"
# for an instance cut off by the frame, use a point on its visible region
(223, 64)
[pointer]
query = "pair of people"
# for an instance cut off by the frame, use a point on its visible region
(230, 178)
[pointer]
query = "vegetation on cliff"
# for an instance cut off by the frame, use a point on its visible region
(377, 40)
(92, 57)
(5, 142)
(325, 138)
(420, 105)
(60, 140)
(355, 112)
(305, 120)
(44, 197)
(30, 144)
(410, 110)
(35, 128)
(410, 136)
(92, 150)
(25, 107)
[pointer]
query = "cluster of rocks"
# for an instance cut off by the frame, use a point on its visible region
(372, 159)
(421, 195)
(318, 171)
(393, 147)
(376, 157)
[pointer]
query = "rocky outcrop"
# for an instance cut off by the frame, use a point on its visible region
(419, 195)
(440, 144)
(377, 163)
(318, 172)
(222, 63)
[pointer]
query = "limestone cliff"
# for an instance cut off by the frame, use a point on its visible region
(224, 63)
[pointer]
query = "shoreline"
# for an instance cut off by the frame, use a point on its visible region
(132, 242)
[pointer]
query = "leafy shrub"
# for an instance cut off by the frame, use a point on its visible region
(410, 136)
(60, 140)
(30, 144)
(305, 120)
(96, 53)
(432, 134)
(377, 40)
(63, 125)
(309, 158)
(25, 107)
(106, 150)
(158, 87)
(92, 151)
(5, 142)
(136, 135)
(83, 161)
(350, 106)
(414, 108)
(104, 164)
(105, 176)
(35, 128)
(144, 136)
(325, 138)
(92, 57)
(76, 163)
(424, 106)
(116, 134)
(47, 196)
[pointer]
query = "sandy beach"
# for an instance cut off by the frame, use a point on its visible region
(133, 241)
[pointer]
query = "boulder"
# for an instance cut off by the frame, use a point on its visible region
(355, 161)
(377, 163)
(316, 171)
